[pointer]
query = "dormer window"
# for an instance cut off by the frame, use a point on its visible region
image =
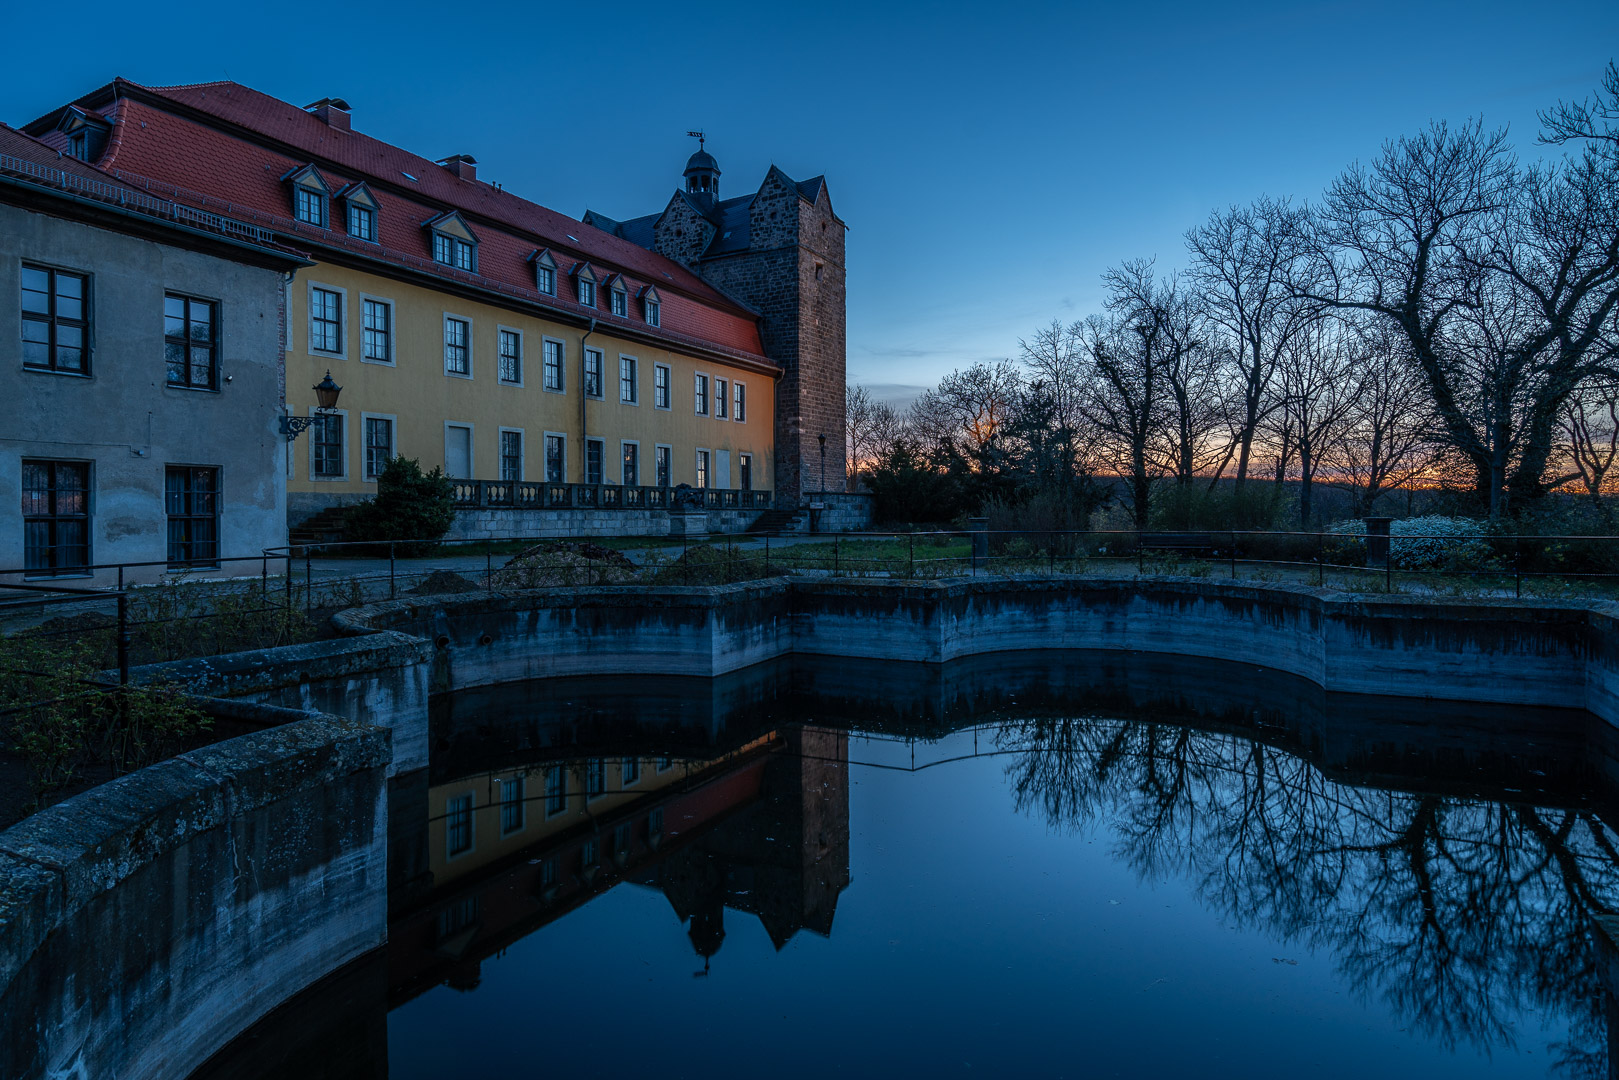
(652, 306)
(309, 195)
(618, 300)
(86, 133)
(361, 212)
(454, 244)
(545, 271)
(585, 278)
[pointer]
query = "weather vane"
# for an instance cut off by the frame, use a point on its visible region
(698, 135)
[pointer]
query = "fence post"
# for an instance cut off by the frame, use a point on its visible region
(836, 569)
(264, 579)
(980, 538)
(1320, 560)
(488, 567)
(767, 556)
(1233, 555)
(1517, 570)
(391, 591)
(911, 575)
(123, 640)
(309, 583)
(288, 588)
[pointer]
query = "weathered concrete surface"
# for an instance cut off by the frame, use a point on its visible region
(146, 922)
(379, 678)
(1548, 653)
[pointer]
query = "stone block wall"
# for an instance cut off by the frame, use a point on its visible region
(497, 523)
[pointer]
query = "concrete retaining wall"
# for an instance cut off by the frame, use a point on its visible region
(379, 678)
(146, 922)
(1546, 653)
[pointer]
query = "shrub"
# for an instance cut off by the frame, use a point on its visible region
(1433, 542)
(410, 505)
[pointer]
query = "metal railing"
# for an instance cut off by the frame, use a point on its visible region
(134, 200)
(544, 495)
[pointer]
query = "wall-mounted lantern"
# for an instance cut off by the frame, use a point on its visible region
(326, 392)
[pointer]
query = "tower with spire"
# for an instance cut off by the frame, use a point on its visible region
(779, 250)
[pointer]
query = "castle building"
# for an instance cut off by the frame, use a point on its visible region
(547, 363)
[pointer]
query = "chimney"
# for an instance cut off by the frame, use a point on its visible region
(465, 166)
(334, 111)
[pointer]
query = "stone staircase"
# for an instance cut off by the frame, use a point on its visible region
(778, 521)
(325, 527)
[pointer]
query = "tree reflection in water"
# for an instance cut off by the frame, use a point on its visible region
(1459, 914)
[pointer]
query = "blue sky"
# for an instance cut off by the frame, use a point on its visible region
(990, 159)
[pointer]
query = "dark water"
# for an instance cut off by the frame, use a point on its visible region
(1045, 865)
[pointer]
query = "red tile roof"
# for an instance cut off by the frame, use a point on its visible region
(234, 167)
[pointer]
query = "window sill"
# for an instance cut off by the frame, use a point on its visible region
(516, 385)
(56, 575)
(192, 389)
(328, 355)
(54, 371)
(457, 375)
(328, 479)
(378, 363)
(555, 390)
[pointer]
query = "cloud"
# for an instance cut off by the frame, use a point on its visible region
(898, 352)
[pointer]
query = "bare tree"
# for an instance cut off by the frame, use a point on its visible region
(873, 427)
(1591, 426)
(1385, 442)
(1242, 260)
(1392, 240)
(1316, 372)
(969, 409)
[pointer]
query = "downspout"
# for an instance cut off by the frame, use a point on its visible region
(584, 385)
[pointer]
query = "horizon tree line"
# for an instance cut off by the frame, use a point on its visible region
(1443, 313)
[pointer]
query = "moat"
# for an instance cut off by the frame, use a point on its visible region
(1054, 864)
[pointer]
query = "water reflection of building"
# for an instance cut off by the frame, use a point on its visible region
(762, 828)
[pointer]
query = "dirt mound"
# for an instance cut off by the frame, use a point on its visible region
(443, 581)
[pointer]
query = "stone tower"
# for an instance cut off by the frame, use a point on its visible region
(780, 251)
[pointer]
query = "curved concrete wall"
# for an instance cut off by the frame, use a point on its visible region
(146, 922)
(1547, 653)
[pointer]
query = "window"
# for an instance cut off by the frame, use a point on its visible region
(556, 790)
(454, 251)
(377, 331)
(630, 466)
(588, 854)
(700, 393)
(511, 357)
(661, 456)
(325, 321)
(457, 347)
(660, 386)
(553, 365)
(55, 320)
(654, 823)
(702, 468)
(595, 777)
(621, 303)
(191, 342)
(593, 461)
(720, 390)
(78, 145)
(744, 468)
(548, 873)
(545, 280)
(556, 458)
(511, 805)
(362, 222)
(587, 293)
(740, 413)
(55, 516)
(653, 313)
(629, 388)
(379, 444)
(458, 825)
(309, 205)
(326, 457)
(593, 373)
(191, 498)
(511, 455)
(629, 771)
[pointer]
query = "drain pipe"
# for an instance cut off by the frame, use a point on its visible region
(584, 386)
